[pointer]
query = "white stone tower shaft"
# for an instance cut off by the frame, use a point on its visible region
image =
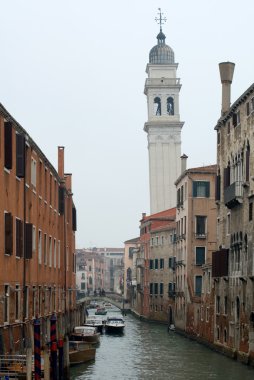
(163, 127)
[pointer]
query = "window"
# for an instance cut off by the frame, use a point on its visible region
(19, 238)
(225, 305)
(8, 145)
(252, 104)
(6, 303)
(247, 108)
(198, 285)
(39, 300)
(83, 286)
(8, 233)
(50, 189)
(200, 226)
(237, 305)
(34, 300)
(170, 106)
(59, 254)
(34, 239)
(151, 288)
(54, 253)
(155, 288)
(131, 249)
(157, 106)
(200, 255)
(228, 127)
(156, 264)
(45, 249)
(151, 264)
(161, 288)
(161, 263)
(39, 247)
(207, 314)
(33, 172)
(45, 183)
(171, 262)
(218, 304)
(17, 302)
(201, 189)
(228, 223)
(162, 240)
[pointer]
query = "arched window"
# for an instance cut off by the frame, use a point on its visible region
(225, 336)
(237, 309)
(157, 106)
(170, 106)
(90, 281)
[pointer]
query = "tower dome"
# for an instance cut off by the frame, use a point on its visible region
(161, 53)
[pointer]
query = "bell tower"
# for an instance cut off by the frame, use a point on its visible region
(163, 127)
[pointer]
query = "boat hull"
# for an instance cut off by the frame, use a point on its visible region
(81, 356)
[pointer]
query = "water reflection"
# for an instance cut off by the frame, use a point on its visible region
(146, 351)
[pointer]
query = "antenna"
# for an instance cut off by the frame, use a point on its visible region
(160, 20)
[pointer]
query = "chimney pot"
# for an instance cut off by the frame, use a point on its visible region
(226, 75)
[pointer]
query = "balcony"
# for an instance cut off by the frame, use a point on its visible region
(233, 194)
(140, 288)
(140, 262)
(172, 294)
(199, 235)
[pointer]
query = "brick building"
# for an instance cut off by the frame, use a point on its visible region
(37, 239)
(233, 262)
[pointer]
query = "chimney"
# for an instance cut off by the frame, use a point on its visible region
(226, 76)
(61, 161)
(183, 163)
(143, 215)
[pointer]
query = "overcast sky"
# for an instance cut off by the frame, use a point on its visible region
(72, 73)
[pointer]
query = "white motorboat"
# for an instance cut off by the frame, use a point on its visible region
(95, 321)
(115, 324)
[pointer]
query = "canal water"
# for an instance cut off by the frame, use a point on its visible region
(146, 351)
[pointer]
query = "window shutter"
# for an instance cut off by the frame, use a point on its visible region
(19, 238)
(248, 164)
(8, 233)
(61, 200)
(74, 219)
(20, 156)
(194, 188)
(217, 188)
(207, 189)
(8, 145)
(29, 240)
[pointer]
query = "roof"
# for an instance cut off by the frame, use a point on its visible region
(164, 227)
(209, 169)
(132, 241)
(31, 142)
(234, 107)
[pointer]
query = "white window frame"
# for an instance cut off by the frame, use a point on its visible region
(50, 251)
(39, 246)
(33, 172)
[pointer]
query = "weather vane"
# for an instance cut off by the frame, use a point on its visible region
(160, 20)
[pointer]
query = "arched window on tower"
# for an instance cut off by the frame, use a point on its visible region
(157, 106)
(170, 106)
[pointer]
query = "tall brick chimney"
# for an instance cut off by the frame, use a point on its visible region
(226, 76)
(61, 161)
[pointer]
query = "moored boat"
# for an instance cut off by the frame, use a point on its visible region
(95, 321)
(87, 334)
(115, 324)
(80, 352)
(101, 311)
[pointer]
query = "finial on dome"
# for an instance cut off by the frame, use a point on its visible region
(160, 20)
